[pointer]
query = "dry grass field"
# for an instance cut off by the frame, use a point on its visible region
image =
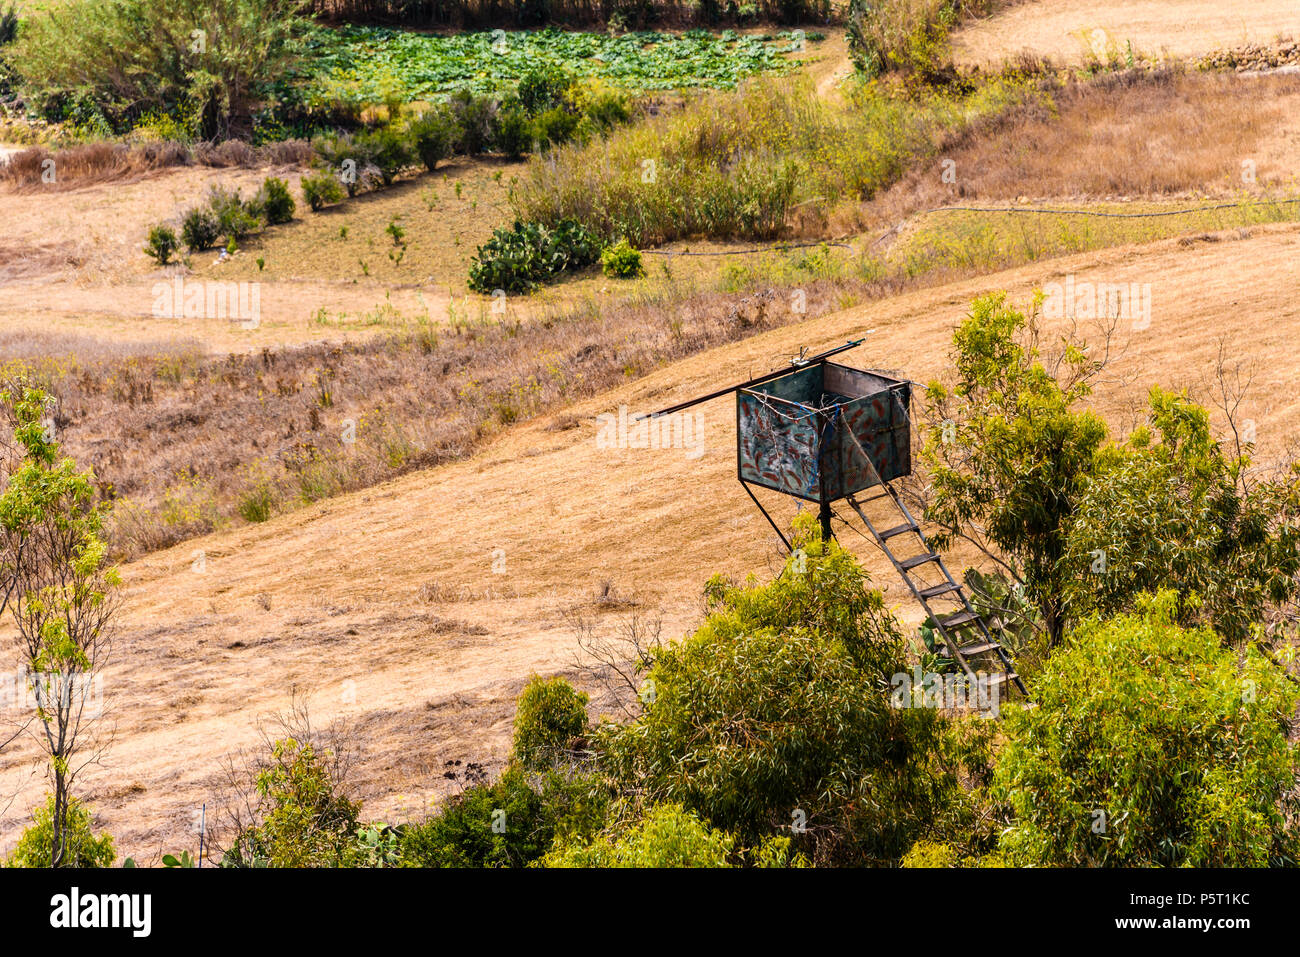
(1067, 30)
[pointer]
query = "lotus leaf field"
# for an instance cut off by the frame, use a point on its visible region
(373, 64)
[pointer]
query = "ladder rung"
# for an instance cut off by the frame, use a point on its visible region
(979, 649)
(1003, 678)
(959, 619)
(936, 590)
(896, 530)
(910, 563)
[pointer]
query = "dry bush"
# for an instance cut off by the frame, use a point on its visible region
(615, 659)
(91, 163)
(287, 153)
(30, 344)
(80, 165)
(225, 154)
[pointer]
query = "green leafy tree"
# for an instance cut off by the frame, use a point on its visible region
(1151, 745)
(1009, 450)
(212, 60)
(1170, 509)
(62, 593)
(774, 719)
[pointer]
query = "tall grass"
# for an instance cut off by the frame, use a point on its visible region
(184, 444)
(907, 36)
(737, 165)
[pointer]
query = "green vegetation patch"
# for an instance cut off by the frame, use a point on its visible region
(372, 64)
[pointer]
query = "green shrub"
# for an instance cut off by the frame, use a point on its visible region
(434, 134)
(571, 246)
(1166, 510)
(931, 854)
(352, 157)
(82, 848)
(510, 260)
(668, 836)
(1151, 746)
(276, 201)
(462, 834)
(200, 228)
(513, 134)
(163, 128)
(258, 503)
(236, 218)
(926, 854)
(303, 819)
(544, 88)
(321, 189)
(519, 258)
(550, 714)
(8, 25)
(621, 261)
(527, 818)
(604, 109)
(555, 126)
(474, 119)
(162, 243)
(374, 845)
(388, 149)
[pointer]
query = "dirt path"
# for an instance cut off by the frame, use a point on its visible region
(831, 65)
(418, 608)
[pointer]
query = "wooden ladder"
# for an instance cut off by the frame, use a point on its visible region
(965, 633)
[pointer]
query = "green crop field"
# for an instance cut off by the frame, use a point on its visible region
(375, 63)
